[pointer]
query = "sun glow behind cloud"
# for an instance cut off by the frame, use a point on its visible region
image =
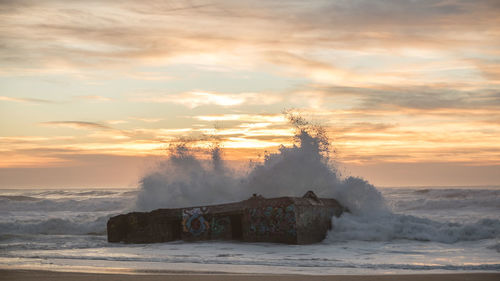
(393, 81)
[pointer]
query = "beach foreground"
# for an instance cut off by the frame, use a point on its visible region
(38, 275)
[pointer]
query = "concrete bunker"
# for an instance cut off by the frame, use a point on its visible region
(290, 220)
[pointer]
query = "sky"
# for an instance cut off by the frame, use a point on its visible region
(93, 92)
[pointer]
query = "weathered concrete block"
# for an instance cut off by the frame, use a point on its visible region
(290, 220)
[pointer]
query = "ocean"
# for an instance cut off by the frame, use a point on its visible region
(424, 230)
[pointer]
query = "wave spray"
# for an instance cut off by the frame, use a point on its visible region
(186, 180)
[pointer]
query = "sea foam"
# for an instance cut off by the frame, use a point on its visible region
(185, 180)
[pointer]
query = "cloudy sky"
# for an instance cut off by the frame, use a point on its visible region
(91, 92)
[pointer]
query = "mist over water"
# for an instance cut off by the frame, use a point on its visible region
(185, 180)
(436, 230)
(399, 229)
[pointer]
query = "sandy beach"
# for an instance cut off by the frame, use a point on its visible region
(37, 275)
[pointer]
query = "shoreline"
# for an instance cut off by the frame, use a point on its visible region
(45, 275)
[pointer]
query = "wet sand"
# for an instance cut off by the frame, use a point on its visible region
(37, 275)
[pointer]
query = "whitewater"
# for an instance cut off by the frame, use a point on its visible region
(388, 230)
(431, 230)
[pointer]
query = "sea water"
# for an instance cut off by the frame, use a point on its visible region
(427, 230)
(389, 230)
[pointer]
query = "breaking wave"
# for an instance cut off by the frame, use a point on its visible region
(185, 180)
(442, 199)
(86, 205)
(53, 201)
(61, 212)
(391, 226)
(57, 226)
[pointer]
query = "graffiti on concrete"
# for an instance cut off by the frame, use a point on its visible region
(272, 220)
(291, 220)
(193, 221)
(220, 227)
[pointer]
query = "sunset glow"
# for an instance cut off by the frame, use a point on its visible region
(115, 80)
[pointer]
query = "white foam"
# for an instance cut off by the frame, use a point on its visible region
(74, 205)
(389, 226)
(56, 226)
(442, 199)
(184, 180)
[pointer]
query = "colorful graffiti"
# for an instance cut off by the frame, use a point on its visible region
(193, 221)
(220, 227)
(269, 220)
